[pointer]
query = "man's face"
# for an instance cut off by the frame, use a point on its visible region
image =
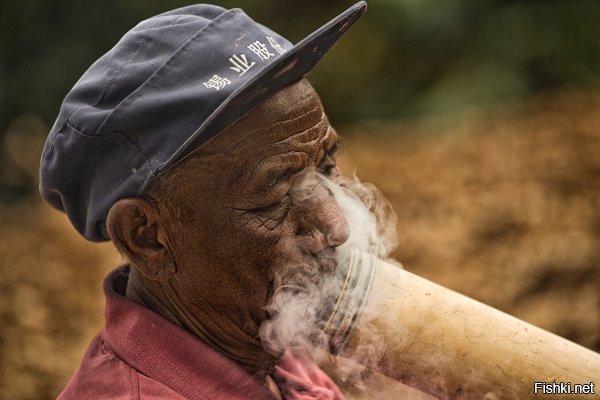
(252, 205)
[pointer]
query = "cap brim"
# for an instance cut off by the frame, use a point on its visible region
(291, 66)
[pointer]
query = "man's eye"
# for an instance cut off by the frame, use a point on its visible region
(273, 197)
(328, 170)
(272, 180)
(275, 178)
(327, 165)
(276, 211)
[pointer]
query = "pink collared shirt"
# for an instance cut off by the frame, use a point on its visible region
(139, 355)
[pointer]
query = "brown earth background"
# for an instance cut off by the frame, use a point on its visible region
(503, 207)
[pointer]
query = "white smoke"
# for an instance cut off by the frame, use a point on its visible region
(298, 307)
(369, 214)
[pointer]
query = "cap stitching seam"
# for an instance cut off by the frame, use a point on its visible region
(135, 56)
(132, 143)
(137, 52)
(124, 136)
(68, 123)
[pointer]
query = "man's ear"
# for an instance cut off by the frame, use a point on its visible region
(135, 227)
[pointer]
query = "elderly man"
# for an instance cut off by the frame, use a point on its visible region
(185, 146)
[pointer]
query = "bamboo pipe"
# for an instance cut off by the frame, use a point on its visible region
(448, 345)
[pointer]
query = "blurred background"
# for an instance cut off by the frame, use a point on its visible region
(479, 120)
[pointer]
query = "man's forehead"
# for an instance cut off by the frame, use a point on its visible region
(293, 115)
(289, 112)
(290, 121)
(291, 100)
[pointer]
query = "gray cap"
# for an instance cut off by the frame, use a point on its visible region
(169, 85)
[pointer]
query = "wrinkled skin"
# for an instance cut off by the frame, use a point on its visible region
(218, 228)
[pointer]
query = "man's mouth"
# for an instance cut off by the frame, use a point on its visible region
(310, 271)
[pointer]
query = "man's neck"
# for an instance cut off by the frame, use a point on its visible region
(137, 292)
(215, 330)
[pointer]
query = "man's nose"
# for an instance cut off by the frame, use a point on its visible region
(325, 220)
(334, 226)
